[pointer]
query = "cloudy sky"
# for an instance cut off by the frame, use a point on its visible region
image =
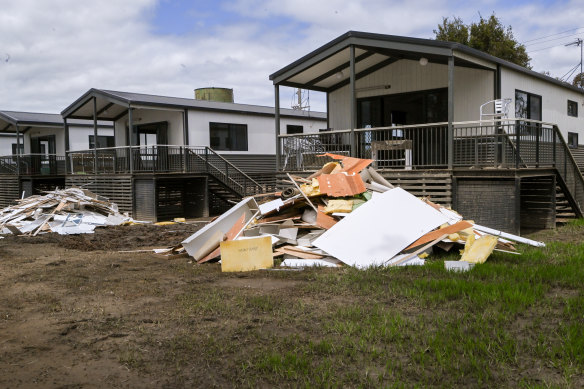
(53, 52)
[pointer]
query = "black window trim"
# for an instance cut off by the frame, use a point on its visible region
(575, 105)
(229, 128)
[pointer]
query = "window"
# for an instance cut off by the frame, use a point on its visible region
(572, 108)
(528, 106)
(292, 129)
(14, 149)
(573, 140)
(228, 136)
(102, 141)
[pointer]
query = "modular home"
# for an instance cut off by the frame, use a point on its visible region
(32, 147)
(175, 157)
(488, 137)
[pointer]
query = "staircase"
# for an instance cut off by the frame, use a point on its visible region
(227, 183)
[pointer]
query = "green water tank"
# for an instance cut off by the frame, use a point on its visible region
(224, 95)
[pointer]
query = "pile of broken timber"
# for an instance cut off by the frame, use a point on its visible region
(67, 211)
(344, 214)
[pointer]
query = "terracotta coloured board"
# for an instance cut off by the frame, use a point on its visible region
(351, 165)
(340, 185)
(430, 236)
(323, 220)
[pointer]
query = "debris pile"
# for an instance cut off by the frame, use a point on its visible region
(344, 214)
(67, 211)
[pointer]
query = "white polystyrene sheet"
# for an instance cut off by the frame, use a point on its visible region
(247, 206)
(271, 206)
(379, 229)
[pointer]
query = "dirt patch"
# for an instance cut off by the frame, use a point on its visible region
(132, 237)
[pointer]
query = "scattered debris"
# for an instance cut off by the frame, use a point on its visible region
(67, 211)
(344, 214)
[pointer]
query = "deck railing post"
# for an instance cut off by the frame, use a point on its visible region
(207, 159)
(517, 145)
(537, 136)
(554, 145)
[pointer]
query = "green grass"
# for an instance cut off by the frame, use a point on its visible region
(515, 321)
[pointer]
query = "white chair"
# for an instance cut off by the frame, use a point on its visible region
(500, 109)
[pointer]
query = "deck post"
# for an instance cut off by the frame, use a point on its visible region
(353, 103)
(450, 111)
(277, 119)
(130, 139)
(185, 138)
(537, 136)
(67, 147)
(17, 150)
(517, 144)
(94, 134)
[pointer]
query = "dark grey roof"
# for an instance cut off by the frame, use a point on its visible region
(10, 119)
(106, 99)
(31, 118)
(399, 47)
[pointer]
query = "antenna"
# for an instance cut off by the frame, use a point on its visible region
(578, 42)
(301, 100)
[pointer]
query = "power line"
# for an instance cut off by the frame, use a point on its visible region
(545, 48)
(547, 36)
(555, 39)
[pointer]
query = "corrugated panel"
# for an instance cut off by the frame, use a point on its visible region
(253, 163)
(116, 188)
(145, 200)
(9, 190)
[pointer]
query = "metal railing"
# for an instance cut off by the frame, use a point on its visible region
(500, 143)
(33, 164)
(162, 159)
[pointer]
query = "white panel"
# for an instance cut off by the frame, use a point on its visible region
(554, 100)
(472, 88)
(261, 133)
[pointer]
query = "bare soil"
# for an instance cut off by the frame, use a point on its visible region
(73, 308)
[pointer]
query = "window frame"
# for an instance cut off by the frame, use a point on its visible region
(294, 128)
(107, 139)
(232, 137)
(574, 111)
(571, 137)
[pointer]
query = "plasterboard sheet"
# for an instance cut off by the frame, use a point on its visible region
(379, 229)
(247, 206)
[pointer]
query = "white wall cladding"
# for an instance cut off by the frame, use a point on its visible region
(79, 136)
(260, 128)
(472, 88)
(261, 133)
(6, 142)
(142, 116)
(554, 98)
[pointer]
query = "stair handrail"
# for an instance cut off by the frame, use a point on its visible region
(230, 166)
(574, 165)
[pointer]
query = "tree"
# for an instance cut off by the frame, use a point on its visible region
(579, 80)
(488, 35)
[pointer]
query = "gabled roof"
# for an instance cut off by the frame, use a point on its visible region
(112, 105)
(327, 68)
(10, 119)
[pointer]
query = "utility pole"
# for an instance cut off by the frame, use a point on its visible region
(578, 42)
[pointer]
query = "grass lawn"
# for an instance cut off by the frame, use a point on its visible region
(513, 321)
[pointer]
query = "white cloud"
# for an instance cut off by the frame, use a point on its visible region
(52, 52)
